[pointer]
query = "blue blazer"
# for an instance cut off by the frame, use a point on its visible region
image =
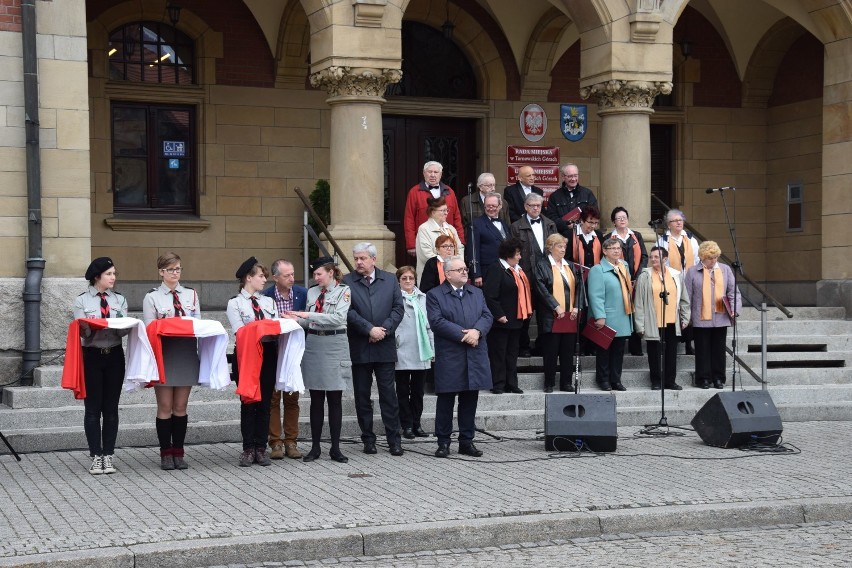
(300, 296)
(377, 305)
(483, 236)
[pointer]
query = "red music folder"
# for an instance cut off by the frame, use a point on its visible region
(566, 324)
(601, 337)
(728, 307)
(572, 215)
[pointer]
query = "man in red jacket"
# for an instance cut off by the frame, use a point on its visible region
(415, 204)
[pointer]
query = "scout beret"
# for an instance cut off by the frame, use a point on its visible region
(246, 267)
(98, 267)
(320, 262)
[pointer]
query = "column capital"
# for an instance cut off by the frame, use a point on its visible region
(626, 96)
(359, 82)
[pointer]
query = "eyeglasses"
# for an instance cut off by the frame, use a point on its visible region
(442, 210)
(175, 270)
(569, 176)
(486, 185)
(612, 248)
(447, 246)
(459, 270)
(406, 278)
(676, 221)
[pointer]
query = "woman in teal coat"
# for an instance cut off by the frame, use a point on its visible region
(611, 304)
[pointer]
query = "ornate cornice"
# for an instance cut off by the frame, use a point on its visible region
(617, 95)
(340, 81)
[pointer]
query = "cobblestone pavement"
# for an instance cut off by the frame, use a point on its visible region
(817, 544)
(51, 504)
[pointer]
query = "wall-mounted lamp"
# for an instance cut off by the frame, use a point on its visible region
(685, 48)
(174, 12)
(448, 27)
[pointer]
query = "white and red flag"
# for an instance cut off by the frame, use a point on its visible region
(212, 345)
(291, 347)
(140, 363)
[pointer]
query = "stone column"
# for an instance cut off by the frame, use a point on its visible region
(357, 173)
(625, 108)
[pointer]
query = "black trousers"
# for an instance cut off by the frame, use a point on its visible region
(609, 362)
(362, 383)
(254, 417)
(104, 375)
(561, 346)
(503, 349)
(466, 416)
(654, 349)
(710, 353)
(409, 396)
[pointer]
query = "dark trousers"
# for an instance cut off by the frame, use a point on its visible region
(466, 416)
(335, 417)
(104, 375)
(409, 396)
(524, 335)
(654, 349)
(634, 344)
(608, 362)
(503, 348)
(254, 417)
(362, 383)
(710, 353)
(561, 346)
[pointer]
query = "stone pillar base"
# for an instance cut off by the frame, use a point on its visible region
(835, 293)
(383, 238)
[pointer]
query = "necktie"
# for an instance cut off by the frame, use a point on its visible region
(368, 280)
(460, 293)
(320, 302)
(176, 301)
(534, 221)
(258, 313)
(104, 305)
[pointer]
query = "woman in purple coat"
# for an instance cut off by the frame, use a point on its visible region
(712, 288)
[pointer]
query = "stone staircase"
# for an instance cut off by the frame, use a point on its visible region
(809, 377)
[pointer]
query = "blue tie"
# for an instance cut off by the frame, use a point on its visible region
(460, 292)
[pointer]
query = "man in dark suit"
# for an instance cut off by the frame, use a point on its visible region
(567, 198)
(374, 315)
(532, 229)
(515, 194)
(484, 237)
(476, 201)
(288, 296)
(460, 321)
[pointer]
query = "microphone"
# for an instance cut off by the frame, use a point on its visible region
(655, 222)
(715, 189)
(469, 187)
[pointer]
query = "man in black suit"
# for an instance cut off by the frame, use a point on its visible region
(532, 229)
(373, 317)
(515, 194)
(484, 237)
(567, 198)
(476, 201)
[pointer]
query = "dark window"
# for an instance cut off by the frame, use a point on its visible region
(795, 204)
(151, 52)
(662, 167)
(153, 158)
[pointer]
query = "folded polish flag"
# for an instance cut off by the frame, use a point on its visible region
(140, 363)
(212, 345)
(291, 347)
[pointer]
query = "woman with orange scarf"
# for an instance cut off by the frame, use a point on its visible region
(556, 287)
(712, 289)
(433, 270)
(683, 255)
(509, 299)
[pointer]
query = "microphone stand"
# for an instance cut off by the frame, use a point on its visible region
(474, 260)
(737, 268)
(580, 286)
(662, 427)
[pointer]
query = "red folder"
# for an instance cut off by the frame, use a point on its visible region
(584, 269)
(601, 337)
(728, 307)
(572, 215)
(566, 324)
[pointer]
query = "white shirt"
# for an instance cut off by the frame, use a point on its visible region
(527, 190)
(538, 231)
(588, 238)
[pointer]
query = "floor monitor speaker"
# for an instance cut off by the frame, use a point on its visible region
(573, 421)
(733, 419)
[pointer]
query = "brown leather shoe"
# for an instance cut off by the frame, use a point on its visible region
(277, 452)
(293, 451)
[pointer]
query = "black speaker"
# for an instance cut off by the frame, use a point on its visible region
(732, 419)
(572, 421)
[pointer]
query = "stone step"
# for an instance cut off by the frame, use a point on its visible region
(794, 327)
(799, 313)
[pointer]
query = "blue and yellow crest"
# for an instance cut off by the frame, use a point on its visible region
(572, 121)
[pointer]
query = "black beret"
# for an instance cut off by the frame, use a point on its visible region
(320, 262)
(246, 267)
(98, 267)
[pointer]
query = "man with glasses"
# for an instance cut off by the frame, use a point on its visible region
(460, 321)
(516, 193)
(532, 229)
(485, 234)
(568, 197)
(476, 201)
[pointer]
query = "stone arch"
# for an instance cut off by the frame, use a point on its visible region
(481, 40)
(767, 56)
(292, 55)
(318, 13)
(540, 55)
(593, 14)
